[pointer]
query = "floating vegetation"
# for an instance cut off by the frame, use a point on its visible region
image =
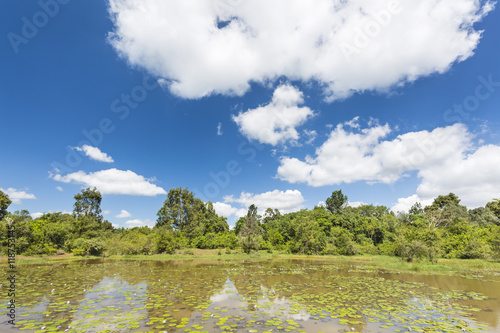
(245, 296)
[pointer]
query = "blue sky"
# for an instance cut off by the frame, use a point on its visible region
(273, 103)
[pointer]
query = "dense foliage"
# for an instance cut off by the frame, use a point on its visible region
(444, 229)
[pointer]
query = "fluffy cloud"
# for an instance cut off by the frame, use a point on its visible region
(446, 160)
(140, 223)
(311, 136)
(16, 196)
(95, 153)
(198, 48)
(225, 209)
(473, 176)
(356, 204)
(404, 204)
(275, 122)
(361, 154)
(113, 181)
(123, 214)
(285, 201)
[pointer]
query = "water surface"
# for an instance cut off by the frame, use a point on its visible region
(276, 295)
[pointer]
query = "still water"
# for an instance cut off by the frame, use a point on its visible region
(246, 296)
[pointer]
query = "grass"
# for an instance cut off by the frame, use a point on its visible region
(443, 266)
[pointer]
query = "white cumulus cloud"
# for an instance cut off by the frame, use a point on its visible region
(362, 154)
(404, 204)
(113, 181)
(95, 153)
(474, 176)
(225, 209)
(355, 204)
(123, 214)
(276, 122)
(140, 223)
(445, 160)
(198, 47)
(16, 196)
(285, 201)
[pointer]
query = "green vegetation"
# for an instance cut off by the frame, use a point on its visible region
(444, 229)
(278, 295)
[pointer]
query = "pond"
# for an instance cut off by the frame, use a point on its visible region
(255, 295)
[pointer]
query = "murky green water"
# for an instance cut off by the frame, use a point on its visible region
(245, 296)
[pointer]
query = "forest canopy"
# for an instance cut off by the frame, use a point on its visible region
(444, 229)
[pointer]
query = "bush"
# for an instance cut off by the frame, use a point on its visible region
(409, 250)
(40, 249)
(343, 241)
(329, 249)
(474, 249)
(93, 247)
(168, 242)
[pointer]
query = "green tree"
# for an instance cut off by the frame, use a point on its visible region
(88, 203)
(336, 202)
(239, 225)
(178, 210)
(21, 221)
(444, 210)
(483, 216)
(251, 230)
(494, 206)
(271, 215)
(416, 209)
(309, 237)
(184, 212)
(4, 204)
(213, 223)
(443, 200)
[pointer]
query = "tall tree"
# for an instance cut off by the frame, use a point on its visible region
(271, 215)
(178, 209)
(443, 200)
(88, 203)
(251, 230)
(494, 206)
(416, 209)
(4, 204)
(252, 211)
(336, 202)
(213, 222)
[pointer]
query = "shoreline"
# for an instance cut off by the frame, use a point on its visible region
(379, 262)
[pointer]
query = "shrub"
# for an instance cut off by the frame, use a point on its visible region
(409, 250)
(94, 247)
(168, 242)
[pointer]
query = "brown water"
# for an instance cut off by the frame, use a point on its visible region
(246, 296)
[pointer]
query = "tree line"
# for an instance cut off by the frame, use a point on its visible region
(444, 229)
